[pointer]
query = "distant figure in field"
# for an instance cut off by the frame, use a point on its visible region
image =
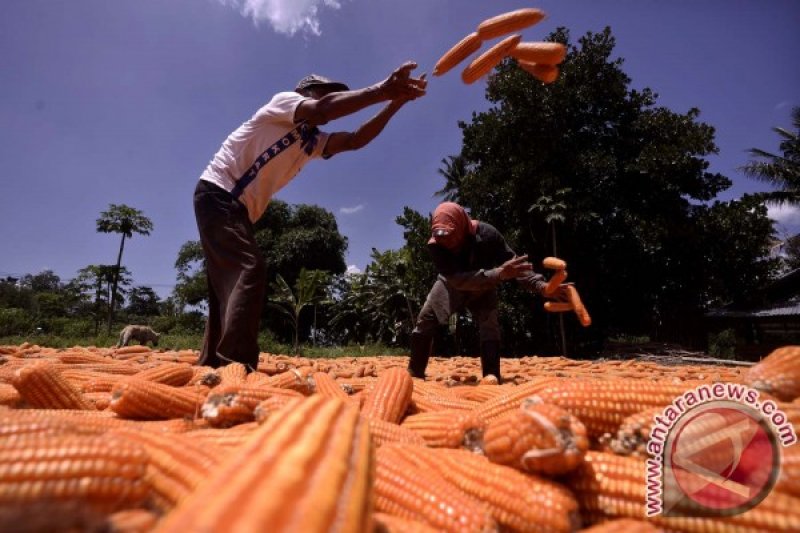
(143, 334)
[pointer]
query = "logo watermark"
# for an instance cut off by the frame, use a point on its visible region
(715, 451)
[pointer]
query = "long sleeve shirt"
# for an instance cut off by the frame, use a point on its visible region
(475, 266)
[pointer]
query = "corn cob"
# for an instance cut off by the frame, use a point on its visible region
(789, 476)
(384, 432)
(315, 463)
(558, 307)
(325, 385)
(9, 395)
(270, 406)
(458, 53)
(512, 398)
(536, 438)
(612, 486)
(100, 400)
(391, 396)
(132, 521)
(256, 378)
(602, 405)
(543, 73)
(100, 384)
(517, 501)
(221, 409)
(406, 490)
(509, 22)
(41, 385)
(541, 53)
(558, 277)
(480, 393)
(94, 471)
(176, 463)
(778, 373)
(580, 310)
(224, 439)
(126, 351)
(175, 374)
(292, 379)
(634, 433)
(554, 263)
(386, 523)
(233, 374)
(485, 62)
(628, 525)
(421, 403)
(82, 356)
(139, 399)
(448, 429)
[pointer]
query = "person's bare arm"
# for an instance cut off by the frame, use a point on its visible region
(398, 86)
(344, 141)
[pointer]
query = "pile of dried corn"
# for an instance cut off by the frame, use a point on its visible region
(133, 440)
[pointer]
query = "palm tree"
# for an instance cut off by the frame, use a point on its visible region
(781, 171)
(454, 171)
(126, 221)
(308, 290)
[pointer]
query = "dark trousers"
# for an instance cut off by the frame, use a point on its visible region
(236, 275)
(444, 300)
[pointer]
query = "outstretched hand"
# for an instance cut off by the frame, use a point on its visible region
(400, 85)
(515, 267)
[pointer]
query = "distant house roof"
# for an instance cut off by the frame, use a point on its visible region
(781, 298)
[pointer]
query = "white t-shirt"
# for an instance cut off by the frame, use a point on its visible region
(265, 153)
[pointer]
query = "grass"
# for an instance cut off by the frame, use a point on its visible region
(195, 341)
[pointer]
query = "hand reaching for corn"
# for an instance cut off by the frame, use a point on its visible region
(400, 85)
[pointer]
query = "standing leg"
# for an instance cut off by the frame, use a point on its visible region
(236, 278)
(484, 310)
(439, 305)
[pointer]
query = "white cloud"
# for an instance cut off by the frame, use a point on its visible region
(352, 269)
(351, 210)
(285, 16)
(787, 218)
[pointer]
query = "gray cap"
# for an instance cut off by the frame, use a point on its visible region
(315, 80)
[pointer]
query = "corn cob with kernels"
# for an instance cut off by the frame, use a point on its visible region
(448, 429)
(777, 374)
(390, 397)
(137, 399)
(41, 385)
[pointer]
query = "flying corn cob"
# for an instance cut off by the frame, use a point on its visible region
(580, 310)
(778, 373)
(517, 501)
(536, 438)
(404, 489)
(544, 73)
(390, 397)
(485, 62)
(138, 399)
(315, 465)
(541, 53)
(558, 277)
(458, 53)
(509, 22)
(558, 307)
(41, 385)
(448, 428)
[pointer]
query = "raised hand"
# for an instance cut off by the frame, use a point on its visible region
(400, 85)
(515, 267)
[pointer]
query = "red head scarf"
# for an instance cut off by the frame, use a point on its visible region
(452, 219)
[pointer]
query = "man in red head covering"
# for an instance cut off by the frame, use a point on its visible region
(472, 259)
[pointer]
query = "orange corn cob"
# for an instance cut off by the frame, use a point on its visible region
(480, 393)
(126, 351)
(542, 53)
(406, 490)
(233, 374)
(512, 398)
(295, 379)
(628, 525)
(778, 374)
(386, 523)
(558, 277)
(517, 501)
(422, 403)
(789, 476)
(132, 521)
(82, 356)
(509, 22)
(458, 53)
(634, 432)
(9, 395)
(580, 310)
(176, 463)
(221, 409)
(315, 463)
(485, 62)
(543, 73)
(139, 399)
(100, 384)
(447, 429)
(41, 385)
(390, 397)
(602, 405)
(100, 400)
(554, 263)
(93, 471)
(224, 439)
(324, 384)
(175, 374)
(384, 432)
(270, 406)
(558, 307)
(256, 378)
(612, 486)
(537, 438)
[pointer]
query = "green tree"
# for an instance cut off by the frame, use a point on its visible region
(97, 283)
(143, 302)
(126, 221)
(309, 289)
(635, 173)
(191, 287)
(780, 171)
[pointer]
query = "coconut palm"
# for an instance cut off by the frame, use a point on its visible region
(781, 171)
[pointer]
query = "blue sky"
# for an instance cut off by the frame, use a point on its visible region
(126, 101)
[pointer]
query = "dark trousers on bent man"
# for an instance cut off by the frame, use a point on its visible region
(236, 275)
(444, 300)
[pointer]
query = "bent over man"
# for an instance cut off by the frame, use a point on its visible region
(256, 161)
(472, 259)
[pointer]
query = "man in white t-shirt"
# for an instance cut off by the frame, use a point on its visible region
(255, 162)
